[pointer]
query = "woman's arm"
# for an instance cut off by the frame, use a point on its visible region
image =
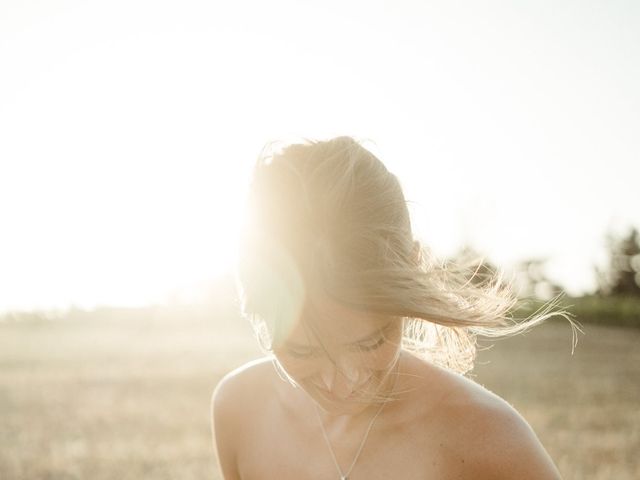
(223, 415)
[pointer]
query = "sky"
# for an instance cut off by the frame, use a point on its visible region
(128, 130)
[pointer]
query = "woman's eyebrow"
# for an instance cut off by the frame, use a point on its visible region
(371, 336)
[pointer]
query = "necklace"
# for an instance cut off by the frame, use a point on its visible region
(345, 476)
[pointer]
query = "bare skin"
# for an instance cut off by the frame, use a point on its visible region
(447, 428)
(440, 425)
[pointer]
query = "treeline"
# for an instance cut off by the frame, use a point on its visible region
(616, 300)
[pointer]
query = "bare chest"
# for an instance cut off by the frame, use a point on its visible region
(280, 450)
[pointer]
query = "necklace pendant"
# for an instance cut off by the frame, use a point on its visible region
(344, 477)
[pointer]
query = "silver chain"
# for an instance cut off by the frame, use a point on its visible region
(345, 476)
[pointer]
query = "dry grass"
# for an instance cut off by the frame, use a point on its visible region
(585, 407)
(130, 400)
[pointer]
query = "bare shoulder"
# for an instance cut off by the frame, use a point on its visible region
(233, 408)
(236, 393)
(485, 437)
(246, 376)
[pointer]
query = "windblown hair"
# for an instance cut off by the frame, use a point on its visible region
(327, 219)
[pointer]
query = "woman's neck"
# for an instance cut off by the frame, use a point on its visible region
(387, 394)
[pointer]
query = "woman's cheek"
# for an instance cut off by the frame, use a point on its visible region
(385, 357)
(297, 369)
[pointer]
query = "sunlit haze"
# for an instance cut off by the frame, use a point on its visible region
(128, 130)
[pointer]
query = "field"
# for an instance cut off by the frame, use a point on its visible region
(127, 396)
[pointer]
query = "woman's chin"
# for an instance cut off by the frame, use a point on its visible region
(335, 405)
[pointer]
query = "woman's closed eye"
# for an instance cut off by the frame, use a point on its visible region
(371, 345)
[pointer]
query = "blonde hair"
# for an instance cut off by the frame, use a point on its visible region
(327, 217)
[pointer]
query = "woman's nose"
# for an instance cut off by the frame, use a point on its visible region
(340, 379)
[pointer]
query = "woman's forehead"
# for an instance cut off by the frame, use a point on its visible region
(334, 322)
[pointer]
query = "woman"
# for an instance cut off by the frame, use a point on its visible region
(369, 336)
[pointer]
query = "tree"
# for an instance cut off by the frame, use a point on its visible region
(532, 279)
(622, 277)
(528, 277)
(480, 269)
